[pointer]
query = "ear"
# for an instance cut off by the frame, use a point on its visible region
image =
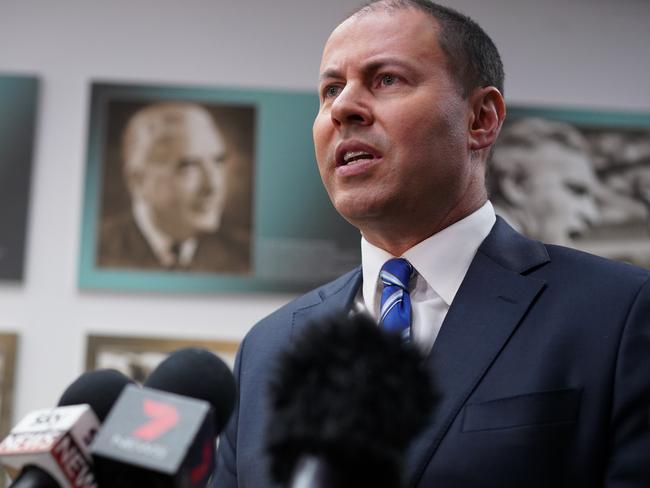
(134, 180)
(487, 116)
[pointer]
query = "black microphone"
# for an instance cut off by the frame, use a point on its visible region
(50, 448)
(99, 389)
(346, 402)
(197, 373)
(164, 435)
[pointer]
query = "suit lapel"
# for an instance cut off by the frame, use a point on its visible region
(486, 311)
(334, 298)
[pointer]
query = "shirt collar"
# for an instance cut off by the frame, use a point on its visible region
(160, 243)
(442, 259)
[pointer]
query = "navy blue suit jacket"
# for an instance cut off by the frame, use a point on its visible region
(542, 367)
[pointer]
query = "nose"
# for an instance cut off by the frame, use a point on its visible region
(590, 211)
(210, 176)
(351, 107)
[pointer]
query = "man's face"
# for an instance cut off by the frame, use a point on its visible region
(560, 191)
(183, 180)
(391, 134)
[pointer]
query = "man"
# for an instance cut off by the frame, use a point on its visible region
(542, 181)
(537, 352)
(175, 170)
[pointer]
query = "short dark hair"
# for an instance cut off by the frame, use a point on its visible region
(473, 57)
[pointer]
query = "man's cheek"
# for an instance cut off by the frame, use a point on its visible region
(183, 189)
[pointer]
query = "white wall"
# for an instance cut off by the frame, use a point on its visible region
(592, 53)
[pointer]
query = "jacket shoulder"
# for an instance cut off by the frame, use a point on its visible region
(573, 261)
(280, 321)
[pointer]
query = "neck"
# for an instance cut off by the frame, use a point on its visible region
(398, 235)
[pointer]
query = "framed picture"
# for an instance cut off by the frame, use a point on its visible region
(199, 189)
(576, 177)
(136, 357)
(8, 343)
(18, 103)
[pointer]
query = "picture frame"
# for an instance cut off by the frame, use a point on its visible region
(285, 226)
(8, 346)
(8, 352)
(137, 356)
(18, 112)
(577, 177)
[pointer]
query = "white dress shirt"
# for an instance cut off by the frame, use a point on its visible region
(440, 261)
(161, 244)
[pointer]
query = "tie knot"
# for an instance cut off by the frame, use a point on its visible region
(396, 272)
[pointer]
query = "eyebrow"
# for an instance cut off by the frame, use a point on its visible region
(329, 73)
(369, 67)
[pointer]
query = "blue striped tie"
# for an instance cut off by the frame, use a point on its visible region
(395, 312)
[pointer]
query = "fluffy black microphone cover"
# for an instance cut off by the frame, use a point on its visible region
(352, 396)
(99, 388)
(197, 373)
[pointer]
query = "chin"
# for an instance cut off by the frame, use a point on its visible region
(359, 212)
(367, 200)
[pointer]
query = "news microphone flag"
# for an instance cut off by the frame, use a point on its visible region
(56, 440)
(153, 438)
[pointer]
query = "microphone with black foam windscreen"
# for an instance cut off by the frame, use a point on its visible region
(50, 448)
(197, 373)
(164, 434)
(100, 389)
(346, 402)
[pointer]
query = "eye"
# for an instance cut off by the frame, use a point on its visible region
(388, 79)
(576, 188)
(185, 164)
(331, 91)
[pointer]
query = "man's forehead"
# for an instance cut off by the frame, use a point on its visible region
(379, 31)
(188, 123)
(188, 137)
(551, 157)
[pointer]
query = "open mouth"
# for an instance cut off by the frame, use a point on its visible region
(350, 153)
(352, 157)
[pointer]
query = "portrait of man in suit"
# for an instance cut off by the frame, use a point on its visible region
(537, 352)
(175, 166)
